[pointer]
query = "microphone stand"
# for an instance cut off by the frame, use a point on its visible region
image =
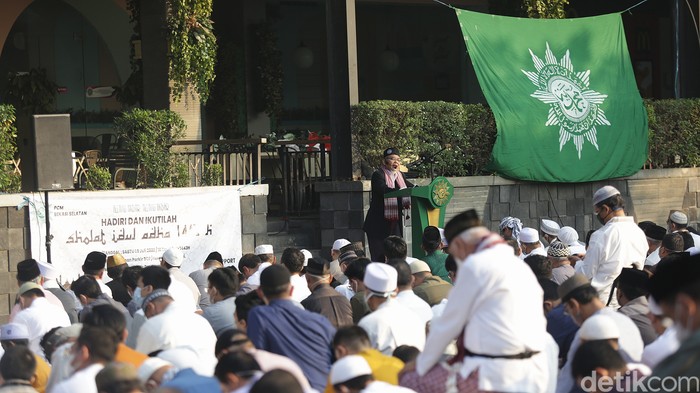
(431, 160)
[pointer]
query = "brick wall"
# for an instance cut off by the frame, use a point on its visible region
(14, 247)
(649, 195)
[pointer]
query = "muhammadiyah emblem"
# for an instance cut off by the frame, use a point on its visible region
(573, 106)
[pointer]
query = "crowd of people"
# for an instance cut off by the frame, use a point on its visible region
(523, 310)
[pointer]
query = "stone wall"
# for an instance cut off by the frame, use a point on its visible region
(649, 195)
(14, 247)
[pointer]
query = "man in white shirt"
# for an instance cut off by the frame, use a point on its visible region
(495, 308)
(168, 326)
(580, 301)
(38, 315)
(336, 271)
(530, 243)
(406, 296)
(619, 243)
(267, 258)
(550, 230)
(49, 281)
(94, 266)
(293, 260)
(172, 260)
(94, 348)
(29, 270)
(390, 324)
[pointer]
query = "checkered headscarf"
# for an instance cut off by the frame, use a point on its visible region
(512, 223)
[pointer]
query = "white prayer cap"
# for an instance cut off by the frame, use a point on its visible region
(14, 331)
(529, 235)
(568, 236)
(380, 278)
(340, 243)
(173, 257)
(48, 271)
(599, 327)
(264, 249)
(604, 193)
(410, 260)
(149, 366)
(307, 255)
(442, 237)
(549, 227)
(349, 367)
(419, 266)
(679, 218)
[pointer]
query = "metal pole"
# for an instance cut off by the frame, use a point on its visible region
(676, 11)
(48, 227)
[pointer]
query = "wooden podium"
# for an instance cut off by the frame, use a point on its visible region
(428, 205)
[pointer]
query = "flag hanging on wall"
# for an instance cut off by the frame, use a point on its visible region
(563, 93)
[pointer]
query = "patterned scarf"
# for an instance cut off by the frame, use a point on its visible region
(512, 223)
(391, 205)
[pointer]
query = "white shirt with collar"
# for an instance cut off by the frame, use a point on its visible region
(497, 303)
(391, 325)
(175, 327)
(419, 307)
(82, 381)
(618, 244)
(631, 346)
(653, 258)
(39, 318)
(301, 288)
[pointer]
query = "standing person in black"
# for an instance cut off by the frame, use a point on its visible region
(385, 215)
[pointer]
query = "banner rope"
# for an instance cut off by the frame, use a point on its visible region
(445, 4)
(634, 6)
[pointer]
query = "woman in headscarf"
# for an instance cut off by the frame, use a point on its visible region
(385, 215)
(510, 227)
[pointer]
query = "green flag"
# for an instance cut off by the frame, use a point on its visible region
(563, 94)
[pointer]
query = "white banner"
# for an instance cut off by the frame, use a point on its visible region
(139, 224)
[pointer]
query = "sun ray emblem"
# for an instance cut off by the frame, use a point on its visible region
(573, 106)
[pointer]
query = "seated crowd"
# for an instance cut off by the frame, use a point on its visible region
(523, 310)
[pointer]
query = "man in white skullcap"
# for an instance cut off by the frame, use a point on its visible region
(602, 327)
(569, 236)
(336, 271)
(390, 324)
(530, 243)
(267, 256)
(352, 374)
(678, 222)
(495, 308)
(172, 261)
(581, 303)
(619, 243)
(51, 275)
(550, 230)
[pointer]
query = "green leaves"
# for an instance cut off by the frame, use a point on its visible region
(417, 128)
(546, 9)
(192, 47)
(148, 136)
(674, 133)
(32, 92)
(9, 181)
